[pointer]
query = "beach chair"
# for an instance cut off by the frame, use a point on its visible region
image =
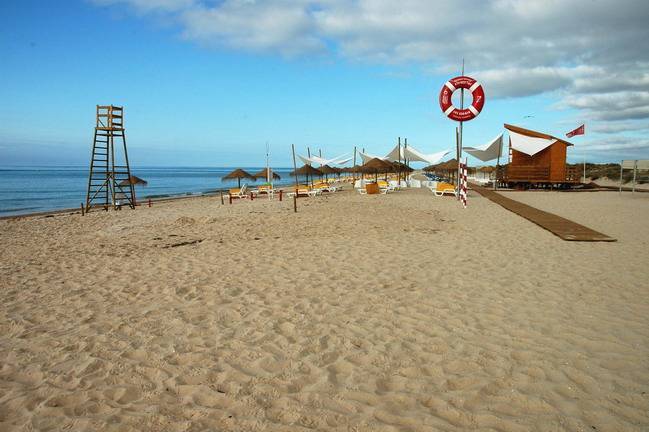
(444, 189)
(264, 189)
(238, 192)
(385, 187)
(303, 191)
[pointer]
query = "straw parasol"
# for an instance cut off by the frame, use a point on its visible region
(134, 180)
(306, 170)
(326, 170)
(263, 174)
(400, 166)
(376, 166)
(238, 174)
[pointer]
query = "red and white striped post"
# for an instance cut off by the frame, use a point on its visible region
(463, 187)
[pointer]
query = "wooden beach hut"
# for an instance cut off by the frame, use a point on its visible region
(536, 159)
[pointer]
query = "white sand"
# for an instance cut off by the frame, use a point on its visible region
(351, 315)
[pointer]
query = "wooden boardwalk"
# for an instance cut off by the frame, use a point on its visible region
(561, 227)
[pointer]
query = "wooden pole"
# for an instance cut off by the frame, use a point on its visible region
(635, 168)
(308, 153)
(399, 170)
(82, 211)
(621, 172)
(500, 149)
(222, 203)
(295, 172)
(353, 165)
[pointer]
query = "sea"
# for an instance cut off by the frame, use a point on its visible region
(36, 189)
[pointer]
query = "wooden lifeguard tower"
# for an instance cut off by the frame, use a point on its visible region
(536, 159)
(109, 181)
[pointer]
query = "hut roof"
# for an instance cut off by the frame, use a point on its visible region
(534, 134)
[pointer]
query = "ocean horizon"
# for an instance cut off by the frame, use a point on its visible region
(33, 189)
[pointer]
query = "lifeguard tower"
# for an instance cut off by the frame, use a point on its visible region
(536, 159)
(109, 181)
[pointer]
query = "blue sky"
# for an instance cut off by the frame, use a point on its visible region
(209, 83)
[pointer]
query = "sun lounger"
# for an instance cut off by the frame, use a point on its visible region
(264, 189)
(385, 187)
(444, 189)
(303, 191)
(324, 187)
(238, 192)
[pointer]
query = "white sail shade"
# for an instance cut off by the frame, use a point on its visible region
(529, 145)
(491, 150)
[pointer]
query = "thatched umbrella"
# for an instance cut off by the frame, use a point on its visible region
(134, 180)
(402, 167)
(264, 174)
(238, 174)
(450, 166)
(306, 170)
(326, 170)
(376, 166)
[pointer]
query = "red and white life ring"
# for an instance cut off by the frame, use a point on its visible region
(461, 82)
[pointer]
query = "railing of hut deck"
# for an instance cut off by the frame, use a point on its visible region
(526, 173)
(573, 174)
(531, 173)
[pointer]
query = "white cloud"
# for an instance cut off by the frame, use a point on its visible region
(613, 127)
(517, 48)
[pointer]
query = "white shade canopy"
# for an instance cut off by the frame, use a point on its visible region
(491, 150)
(529, 145)
(367, 157)
(322, 161)
(414, 155)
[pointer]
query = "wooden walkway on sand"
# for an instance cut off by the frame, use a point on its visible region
(561, 227)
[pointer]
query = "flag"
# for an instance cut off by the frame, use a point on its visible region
(579, 131)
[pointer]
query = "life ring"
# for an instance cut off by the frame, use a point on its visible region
(461, 82)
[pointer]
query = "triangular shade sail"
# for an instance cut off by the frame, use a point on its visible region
(321, 161)
(487, 152)
(414, 155)
(367, 157)
(529, 145)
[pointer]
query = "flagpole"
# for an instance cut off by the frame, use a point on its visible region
(500, 149)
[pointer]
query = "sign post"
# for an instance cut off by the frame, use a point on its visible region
(461, 114)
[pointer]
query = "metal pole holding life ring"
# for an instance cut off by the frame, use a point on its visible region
(461, 114)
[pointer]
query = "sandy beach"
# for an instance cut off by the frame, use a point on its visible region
(399, 312)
